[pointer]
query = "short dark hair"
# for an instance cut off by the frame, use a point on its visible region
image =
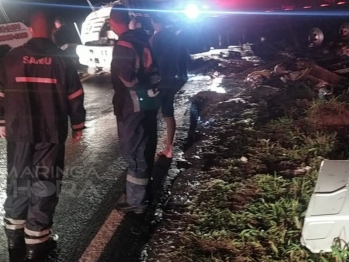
(158, 18)
(60, 20)
(120, 14)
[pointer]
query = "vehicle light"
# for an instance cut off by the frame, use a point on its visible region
(324, 5)
(307, 7)
(341, 3)
(192, 11)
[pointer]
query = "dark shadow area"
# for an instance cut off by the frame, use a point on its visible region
(17, 255)
(161, 168)
(95, 223)
(193, 135)
(135, 231)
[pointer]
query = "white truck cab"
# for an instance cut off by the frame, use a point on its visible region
(97, 40)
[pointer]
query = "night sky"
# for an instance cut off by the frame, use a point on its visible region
(71, 10)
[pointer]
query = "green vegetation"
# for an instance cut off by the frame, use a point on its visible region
(252, 202)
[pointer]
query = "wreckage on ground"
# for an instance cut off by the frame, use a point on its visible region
(324, 68)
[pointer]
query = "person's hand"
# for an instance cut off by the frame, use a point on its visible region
(2, 132)
(153, 93)
(77, 136)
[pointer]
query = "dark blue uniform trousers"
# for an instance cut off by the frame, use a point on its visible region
(138, 140)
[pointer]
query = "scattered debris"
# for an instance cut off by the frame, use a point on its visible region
(251, 174)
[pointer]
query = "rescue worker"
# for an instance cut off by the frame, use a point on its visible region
(61, 34)
(135, 106)
(165, 49)
(39, 89)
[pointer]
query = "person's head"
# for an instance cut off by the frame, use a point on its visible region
(41, 25)
(119, 19)
(158, 22)
(59, 21)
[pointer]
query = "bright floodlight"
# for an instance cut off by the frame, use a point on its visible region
(192, 11)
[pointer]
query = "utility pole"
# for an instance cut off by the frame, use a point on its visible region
(90, 4)
(4, 14)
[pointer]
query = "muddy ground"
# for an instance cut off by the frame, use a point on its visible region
(248, 168)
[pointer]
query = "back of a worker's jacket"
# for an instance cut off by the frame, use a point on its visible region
(39, 89)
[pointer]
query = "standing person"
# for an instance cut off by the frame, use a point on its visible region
(183, 53)
(135, 107)
(165, 48)
(39, 89)
(62, 35)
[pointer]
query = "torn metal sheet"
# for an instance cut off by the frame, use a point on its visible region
(327, 217)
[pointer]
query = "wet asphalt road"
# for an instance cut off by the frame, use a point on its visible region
(94, 180)
(93, 169)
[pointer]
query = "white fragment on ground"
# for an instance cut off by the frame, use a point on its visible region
(244, 159)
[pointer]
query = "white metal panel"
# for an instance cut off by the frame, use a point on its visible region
(95, 56)
(92, 26)
(333, 175)
(327, 216)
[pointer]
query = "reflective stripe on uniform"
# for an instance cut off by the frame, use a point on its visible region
(137, 181)
(2, 94)
(78, 126)
(37, 233)
(76, 94)
(40, 80)
(129, 84)
(147, 59)
(14, 227)
(125, 44)
(14, 221)
(30, 241)
(136, 105)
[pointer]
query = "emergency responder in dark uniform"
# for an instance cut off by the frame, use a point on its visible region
(62, 34)
(39, 89)
(135, 106)
(165, 49)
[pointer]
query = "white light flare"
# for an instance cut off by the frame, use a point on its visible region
(192, 11)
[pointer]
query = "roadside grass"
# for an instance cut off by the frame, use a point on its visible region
(252, 208)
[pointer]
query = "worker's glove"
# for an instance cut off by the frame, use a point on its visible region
(2, 132)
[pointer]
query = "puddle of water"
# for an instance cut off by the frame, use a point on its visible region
(199, 78)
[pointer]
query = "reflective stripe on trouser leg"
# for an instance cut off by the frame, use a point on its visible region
(133, 141)
(48, 161)
(36, 237)
(19, 172)
(14, 224)
(136, 189)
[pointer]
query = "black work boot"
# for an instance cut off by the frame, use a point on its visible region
(15, 239)
(35, 252)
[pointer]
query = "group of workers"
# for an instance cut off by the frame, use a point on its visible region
(40, 90)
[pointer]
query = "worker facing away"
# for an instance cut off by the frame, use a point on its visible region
(166, 49)
(135, 102)
(39, 90)
(62, 34)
